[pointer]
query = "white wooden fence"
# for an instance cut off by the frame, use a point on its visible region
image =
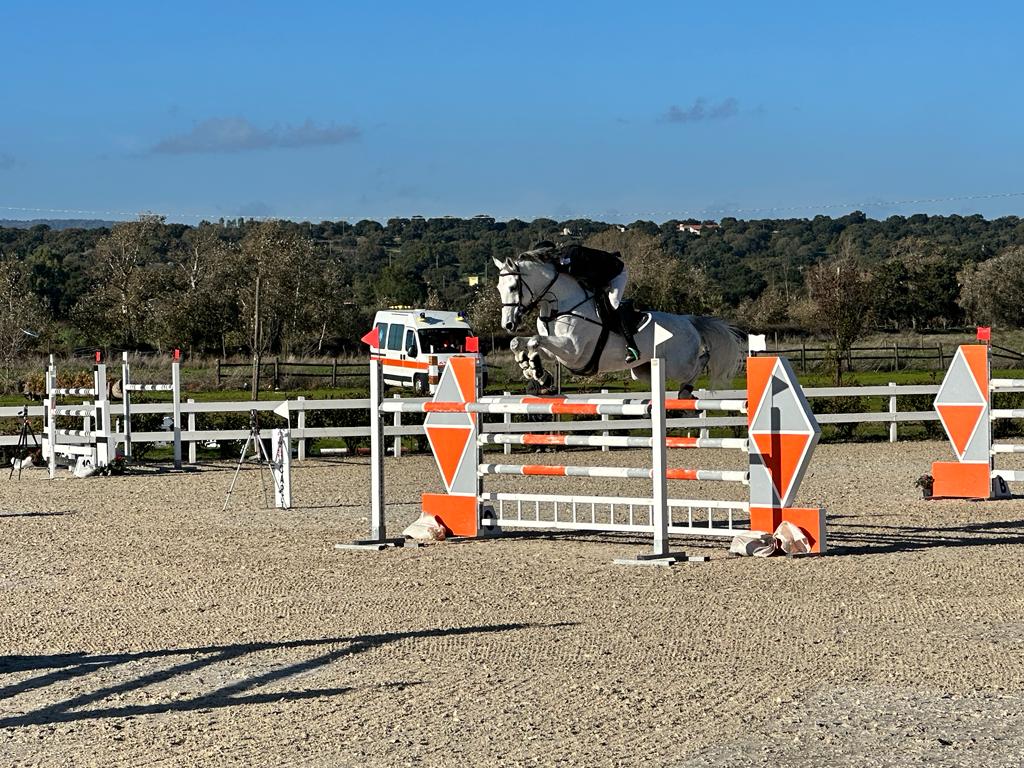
(194, 437)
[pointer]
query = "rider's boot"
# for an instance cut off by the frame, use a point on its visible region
(626, 323)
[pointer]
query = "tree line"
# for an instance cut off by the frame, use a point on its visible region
(149, 284)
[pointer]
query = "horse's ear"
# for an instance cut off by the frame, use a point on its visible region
(498, 262)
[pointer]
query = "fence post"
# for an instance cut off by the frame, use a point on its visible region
(507, 419)
(892, 410)
(218, 371)
(397, 450)
(659, 492)
(192, 430)
(896, 356)
(803, 357)
(301, 426)
(605, 417)
(942, 357)
(378, 503)
(277, 373)
(175, 406)
(334, 372)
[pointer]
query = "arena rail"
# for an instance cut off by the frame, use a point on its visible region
(194, 437)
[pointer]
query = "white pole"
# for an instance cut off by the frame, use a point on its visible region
(102, 419)
(397, 422)
(378, 527)
(301, 425)
(126, 405)
(192, 428)
(508, 421)
(51, 426)
(605, 417)
(176, 406)
(892, 410)
(659, 459)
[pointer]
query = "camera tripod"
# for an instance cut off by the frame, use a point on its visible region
(259, 453)
(22, 451)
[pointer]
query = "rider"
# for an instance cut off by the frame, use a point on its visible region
(600, 271)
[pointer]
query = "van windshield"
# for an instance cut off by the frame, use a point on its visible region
(441, 340)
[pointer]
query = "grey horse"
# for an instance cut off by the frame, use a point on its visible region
(570, 330)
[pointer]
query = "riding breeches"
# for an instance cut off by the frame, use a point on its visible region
(617, 288)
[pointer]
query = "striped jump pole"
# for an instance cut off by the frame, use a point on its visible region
(626, 473)
(964, 405)
(609, 441)
(583, 403)
(556, 408)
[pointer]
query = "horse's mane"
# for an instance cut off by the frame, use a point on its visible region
(530, 258)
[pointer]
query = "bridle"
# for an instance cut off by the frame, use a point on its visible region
(535, 297)
(539, 296)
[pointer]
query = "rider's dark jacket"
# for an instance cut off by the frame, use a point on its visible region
(590, 266)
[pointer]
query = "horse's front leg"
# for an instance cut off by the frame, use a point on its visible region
(527, 352)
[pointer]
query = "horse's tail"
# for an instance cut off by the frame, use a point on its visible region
(722, 342)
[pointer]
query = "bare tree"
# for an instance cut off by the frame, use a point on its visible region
(841, 291)
(273, 261)
(21, 314)
(121, 293)
(656, 279)
(990, 292)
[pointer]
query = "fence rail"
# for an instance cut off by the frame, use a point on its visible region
(194, 436)
(275, 369)
(892, 357)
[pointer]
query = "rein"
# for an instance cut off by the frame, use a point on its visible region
(537, 297)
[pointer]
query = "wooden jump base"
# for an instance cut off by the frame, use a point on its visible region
(965, 407)
(782, 436)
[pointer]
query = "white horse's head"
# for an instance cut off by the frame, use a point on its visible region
(522, 284)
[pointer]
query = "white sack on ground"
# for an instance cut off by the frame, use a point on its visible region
(426, 528)
(753, 544)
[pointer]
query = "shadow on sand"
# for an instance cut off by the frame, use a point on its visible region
(180, 662)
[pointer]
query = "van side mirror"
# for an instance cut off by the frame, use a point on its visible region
(411, 349)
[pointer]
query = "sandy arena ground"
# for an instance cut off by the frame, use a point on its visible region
(142, 626)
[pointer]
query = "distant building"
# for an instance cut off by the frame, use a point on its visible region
(698, 229)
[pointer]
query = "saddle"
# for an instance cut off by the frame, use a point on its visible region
(630, 317)
(610, 324)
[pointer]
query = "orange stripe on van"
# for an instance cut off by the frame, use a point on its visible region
(414, 364)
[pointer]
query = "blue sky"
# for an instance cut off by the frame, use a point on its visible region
(619, 111)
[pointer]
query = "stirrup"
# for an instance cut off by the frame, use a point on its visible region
(632, 355)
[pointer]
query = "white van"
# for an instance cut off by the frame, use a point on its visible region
(410, 336)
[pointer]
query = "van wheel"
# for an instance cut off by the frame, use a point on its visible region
(420, 384)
